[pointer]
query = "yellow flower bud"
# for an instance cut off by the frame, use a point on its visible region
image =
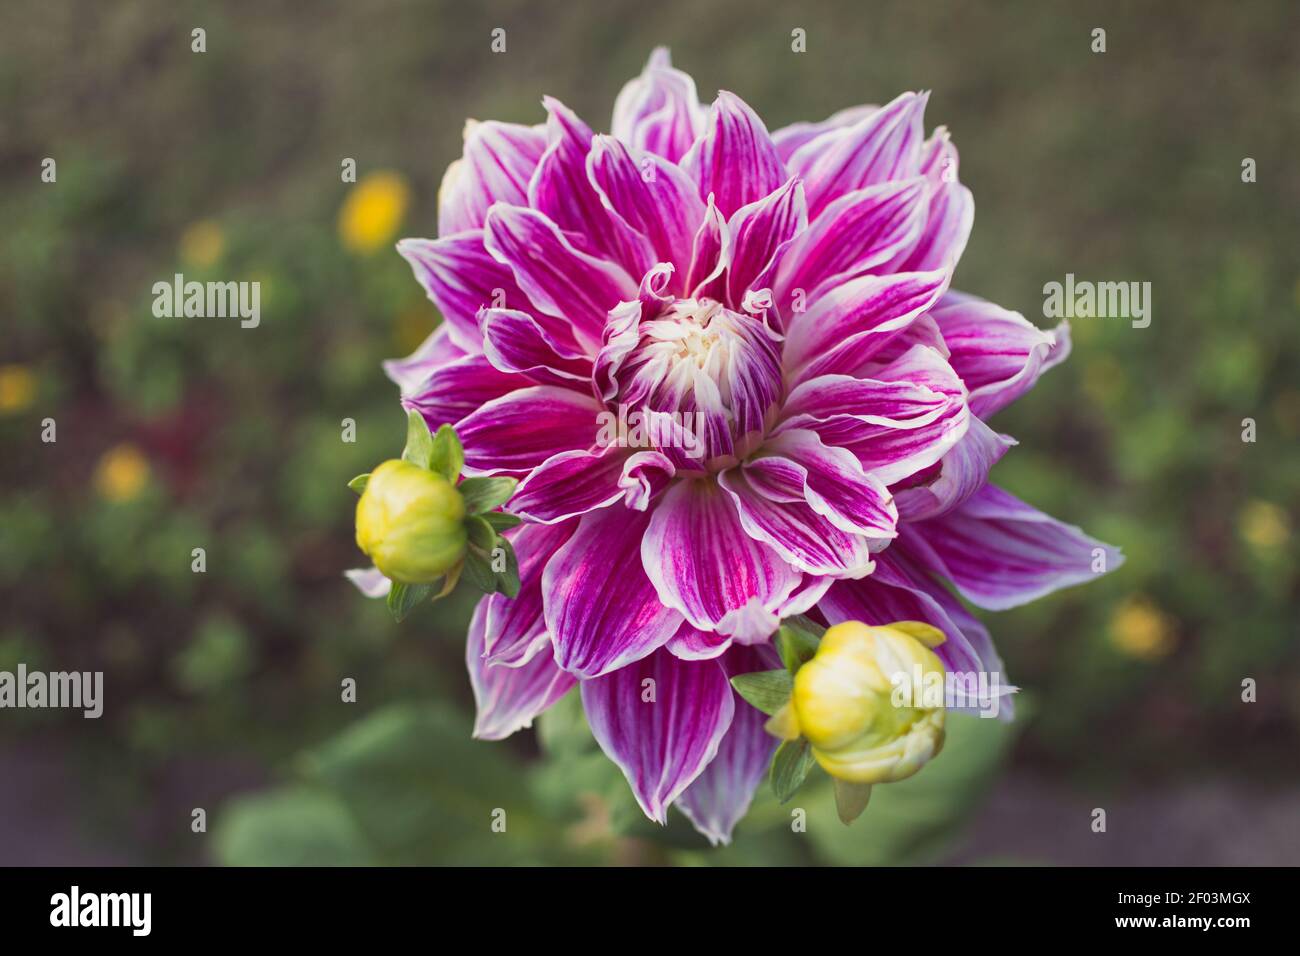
(844, 702)
(411, 522)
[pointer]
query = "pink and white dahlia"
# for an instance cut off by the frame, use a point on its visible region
(727, 369)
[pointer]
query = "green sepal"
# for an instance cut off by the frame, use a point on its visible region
(508, 580)
(478, 571)
(485, 494)
(500, 520)
(851, 799)
(449, 581)
(419, 443)
(769, 691)
(481, 534)
(447, 457)
(790, 766)
(796, 646)
(806, 624)
(402, 598)
(358, 484)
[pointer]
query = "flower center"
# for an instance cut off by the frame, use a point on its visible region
(705, 377)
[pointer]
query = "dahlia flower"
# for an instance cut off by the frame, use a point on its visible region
(800, 404)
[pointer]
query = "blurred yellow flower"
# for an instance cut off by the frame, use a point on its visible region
(1263, 525)
(202, 244)
(17, 388)
(122, 473)
(1140, 629)
(372, 212)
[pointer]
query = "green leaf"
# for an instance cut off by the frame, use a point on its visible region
(419, 443)
(402, 598)
(358, 484)
(420, 789)
(486, 494)
(447, 457)
(767, 690)
(500, 521)
(851, 799)
(790, 766)
(796, 646)
(296, 826)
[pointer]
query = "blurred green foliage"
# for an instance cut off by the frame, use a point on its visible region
(178, 434)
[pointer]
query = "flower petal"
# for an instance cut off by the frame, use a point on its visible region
(514, 341)
(770, 494)
(761, 230)
(858, 232)
(998, 354)
(790, 139)
(456, 390)
(460, 277)
(369, 581)
(508, 698)
(1001, 553)
(575, 482)
(661, 720)
(896, 425)
(515, 630)
(845, 323)
(517, 432)
(561, 191)
(558, 278)
(692, 644)
(704, 564)
(720, 796)
(837, 486)
(600, 607)
(433, 353)
(883, 145)
(659, 111)
(711, 253)
(652, 196)
(496, 165)
(950, 211)
(734, 159)
(960, 473)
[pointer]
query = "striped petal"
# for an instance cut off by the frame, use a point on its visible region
(498, 161)
(735, 159)
(998, 353)
(721, 794)
(601, 609)
(661, 719)
(659, 111)
(1000, 553)
(508, 698)
(704, 564)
